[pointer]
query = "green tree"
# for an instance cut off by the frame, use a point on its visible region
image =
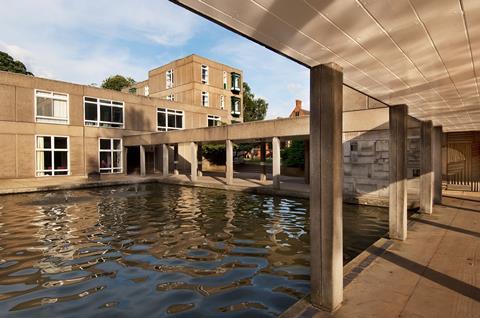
(7, 63)
(253, 108)
(293, 156)
(117, 82)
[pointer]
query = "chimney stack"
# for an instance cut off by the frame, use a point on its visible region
(298, 104)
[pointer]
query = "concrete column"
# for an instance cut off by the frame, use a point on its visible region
(326, 184)
(426, 167)
(165, 159)
(142, 161)
(276, 162)
(306, 165)
(175, 159)
(199, 159)
(229, 162)
(263, 158)
(193, 161)
(437, 165)
(398, 172)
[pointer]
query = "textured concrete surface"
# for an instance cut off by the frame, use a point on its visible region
(434, 273)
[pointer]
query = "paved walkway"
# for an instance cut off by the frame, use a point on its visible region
(434, 273)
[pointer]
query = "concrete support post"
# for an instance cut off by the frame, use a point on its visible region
(426, 168)
(142, 161)
(306, 165)
(175, 159)
(229, 162)
(326, 185)
(199, 159)
(437, 165)
(263, 158)
(276, 162)
(165, 160)
(193, 161)
(398, 172)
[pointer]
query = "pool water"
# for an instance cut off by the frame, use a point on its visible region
(161, 251)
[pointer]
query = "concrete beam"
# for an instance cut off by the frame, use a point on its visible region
(229, 162)
(142, 161)
(276, 162)
(426, 168)
(437, 165)
(326, 184)
(263, 158)
(193, 161)
(398, 172)
(165, 159)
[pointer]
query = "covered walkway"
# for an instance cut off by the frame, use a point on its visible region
(435, 273)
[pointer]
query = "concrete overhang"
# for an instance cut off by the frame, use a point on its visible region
(423, 53)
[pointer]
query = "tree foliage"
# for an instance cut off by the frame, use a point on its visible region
(293, 156)
(7, 63)
(117, 82)
(253, 108)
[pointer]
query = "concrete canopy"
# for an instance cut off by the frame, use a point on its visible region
(423, 53)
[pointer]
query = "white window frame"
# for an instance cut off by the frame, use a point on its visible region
(171, 111)
(98, 122)
(222, 101)
(225, 80)
(146, 90)
(236, 83)
(205, 102)
(111, 151)
(236, 111)
(216, 118)
(51, 95)
(52, 150)
(171, 97)
(169, 80)
(204, 75)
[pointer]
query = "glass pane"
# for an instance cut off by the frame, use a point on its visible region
(210, 122)
(171, 120)
(105, 144)
(44, 107)
(61, 173)
(117, 163)
(179, 121)
(117, 144)
(60, 160)
(61, 143)
(105, 160)
(161, 119)
(105, 113)
(90, 99)
(117, 115)
(44, 160)
(60, 109)
(44, 142)
(90, 111)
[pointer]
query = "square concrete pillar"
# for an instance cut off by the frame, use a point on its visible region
(142, 161)
(276, 162)
(398, 172)
(193, 161)
(306, 161)
(175, 159)
(326, 184)
(437, 165)
(229, 162)
(165, 159)
(199, 159)
(426, 167)
(263, 158)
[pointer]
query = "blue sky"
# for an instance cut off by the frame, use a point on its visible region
(87, 41)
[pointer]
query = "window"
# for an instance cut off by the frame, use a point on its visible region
(146, 90)
(235, 82)
(235, 106)
(222, 102)
(51, 107)
(169, 119)
(169, 79)
(204, 74)
(171, 97)
(103, 112)
(205, 99)
(51, 156)
(225, 80)
(110, 155)
(213, 120)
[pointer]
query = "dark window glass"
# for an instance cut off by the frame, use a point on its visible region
(89, 99)
(47, 160)
(105, 160)
(117, 115)
(161, 119)
(105, 144)
(60, 160)
(90, 111)
(179, 121)
(116, 144)
(60, 143)
(47, 142)
(44, 106)
(171, 121)
(105, 113)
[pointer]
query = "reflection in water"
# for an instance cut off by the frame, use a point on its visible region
(158, 250)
